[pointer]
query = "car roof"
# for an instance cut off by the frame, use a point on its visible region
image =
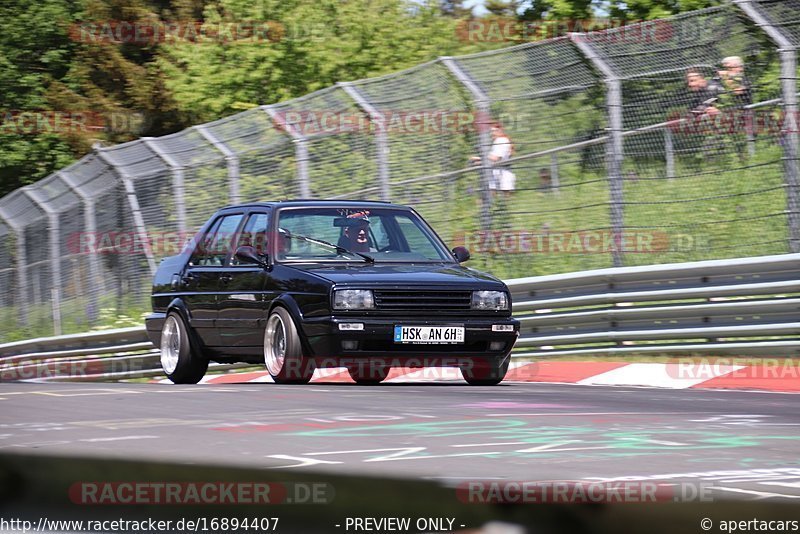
(316, 203)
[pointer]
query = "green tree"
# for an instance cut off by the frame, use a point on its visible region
(628, 10)
(653, 9)
(50, 67)
(455, 8)
(316, 44)
(33, 50)
(502, 8)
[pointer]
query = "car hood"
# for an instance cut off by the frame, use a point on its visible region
(401, 274)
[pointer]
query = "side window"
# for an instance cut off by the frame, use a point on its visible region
(204, 244)
(254, 234)
(416, 238)
(217, 243)
(224, 240)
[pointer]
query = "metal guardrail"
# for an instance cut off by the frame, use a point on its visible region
(742, 306)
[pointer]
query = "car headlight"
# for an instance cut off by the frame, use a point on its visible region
(353, 299)
(489, 300)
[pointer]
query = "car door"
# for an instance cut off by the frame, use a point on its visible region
(201, 279)
(242, 305)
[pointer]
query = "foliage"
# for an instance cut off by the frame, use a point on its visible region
(50, 62)
(315, 45)
(626, 10)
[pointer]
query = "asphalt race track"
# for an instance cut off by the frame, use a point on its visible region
(737, 445)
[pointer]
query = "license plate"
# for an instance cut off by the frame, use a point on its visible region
(429, 334)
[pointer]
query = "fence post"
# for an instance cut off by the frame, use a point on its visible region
(90, 227)
(381, 139)
(789, 84)
(614, 153)
(55, 254)
(178, 189)
(22, 263)
(751, 133)
(231, 160)
(482, 105)
(133, 201)
(669, 152)
(788, 55)
(555, 181)
(301, 149)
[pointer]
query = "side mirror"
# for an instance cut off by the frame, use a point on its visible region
(248, 254)
(461, 254)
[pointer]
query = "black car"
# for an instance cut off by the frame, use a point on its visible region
(306, 284)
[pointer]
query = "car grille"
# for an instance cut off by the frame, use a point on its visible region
(421, 300)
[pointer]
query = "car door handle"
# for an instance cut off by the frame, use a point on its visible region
(225, 278)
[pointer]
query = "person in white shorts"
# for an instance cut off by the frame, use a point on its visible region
(502, 178)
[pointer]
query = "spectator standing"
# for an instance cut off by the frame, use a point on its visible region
(704, 93)
(503, 179)
(739, 97)
(704, 98)
(735, 83)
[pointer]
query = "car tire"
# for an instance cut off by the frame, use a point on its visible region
(283, 352)
(368, 375)
(486, 373)
(181, 359)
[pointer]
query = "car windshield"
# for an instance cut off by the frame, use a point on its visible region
(356, 234)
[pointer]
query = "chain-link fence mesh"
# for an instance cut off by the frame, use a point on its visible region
(429, 130)
(329, 129)
(265, 156)
(783, 15)
(10, 303)
(654, 142)
(558, 193)
(711, 183)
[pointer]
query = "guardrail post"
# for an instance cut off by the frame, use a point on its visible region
(482, 105)
(178, 189)
(614, 153)
(301, 150)
(22, 263)
(381, 138)
(55, 255)
(231, 160)
(788, 56)
(90, 228)
(133, 202)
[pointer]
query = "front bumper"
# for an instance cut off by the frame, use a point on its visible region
(326, 341)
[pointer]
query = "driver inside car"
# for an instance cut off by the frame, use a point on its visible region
(355, 235)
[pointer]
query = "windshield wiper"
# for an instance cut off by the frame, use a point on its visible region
(337, 248)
